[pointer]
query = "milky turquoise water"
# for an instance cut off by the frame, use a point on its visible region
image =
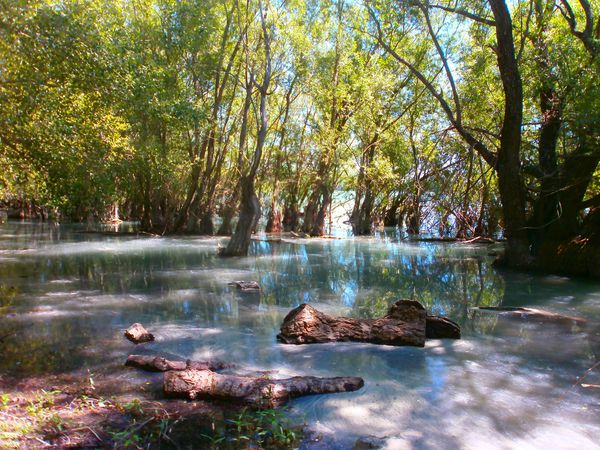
(66, 296)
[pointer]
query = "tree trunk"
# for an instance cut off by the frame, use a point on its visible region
(310, 212)
(274, 220)
(576, 174)
(257, 391)
(365, 199)
(291, 216)
(205, 224)
(361, 225)
(413, 217)
(249, 215)
(318, 228)
(508, 165)
(250, 206)
(390, 218)
(227, 215)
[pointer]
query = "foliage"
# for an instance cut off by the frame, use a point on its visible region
(154, 106)
(263, 428)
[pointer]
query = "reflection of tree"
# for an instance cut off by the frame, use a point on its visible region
(445, 283)
(7, 297)
(369, 276)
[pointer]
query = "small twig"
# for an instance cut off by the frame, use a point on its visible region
(94, 433)
(141, 425)
(11, 416)
(584, 376)
(47, 444)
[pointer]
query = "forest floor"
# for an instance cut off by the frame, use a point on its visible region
(78, 412)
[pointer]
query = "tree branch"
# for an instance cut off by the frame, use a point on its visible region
(465, 13)
(471, 140)
(587, 35)
(590, 203)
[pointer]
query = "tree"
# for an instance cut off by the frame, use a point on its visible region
(250, 205)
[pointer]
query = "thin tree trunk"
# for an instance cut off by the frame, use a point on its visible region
(250, 205)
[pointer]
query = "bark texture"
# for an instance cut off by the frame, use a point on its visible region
(137, 334)
(508, 164)
(248, 218)
(256, 391)
(441, 328)
(405, 324)
(160, 364)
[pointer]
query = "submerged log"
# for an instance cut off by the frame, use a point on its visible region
(137, 334)
(257, 391)
(160, 364)
(539, 315)
(246, 286)
(405, 324)
(433, 239)
(478, 240)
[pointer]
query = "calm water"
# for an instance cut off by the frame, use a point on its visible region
(69, 295)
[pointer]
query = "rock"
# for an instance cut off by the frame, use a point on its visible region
(256, 391)
(246, 286)
(160, 364)
(405, 324)
(532, 314)
(369, 442)
(137, 334)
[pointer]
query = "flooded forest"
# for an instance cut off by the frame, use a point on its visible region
(313, 224)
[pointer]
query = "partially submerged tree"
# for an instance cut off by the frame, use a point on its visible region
(458, 118)
(250, 205)
(506, 155)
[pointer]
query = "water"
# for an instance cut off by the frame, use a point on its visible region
(66, 296)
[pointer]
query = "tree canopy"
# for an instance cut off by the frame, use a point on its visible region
(455, 118)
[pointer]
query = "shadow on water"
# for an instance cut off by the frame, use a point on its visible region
(67, 296)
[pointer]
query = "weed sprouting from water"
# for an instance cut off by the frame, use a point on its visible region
(250, 428)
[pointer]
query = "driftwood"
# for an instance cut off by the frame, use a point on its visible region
(160, 364)
(478, 240)
(137, 334)
(246, 286)
(257, 391)
(406, 323)
(475, 240)
(536, 315)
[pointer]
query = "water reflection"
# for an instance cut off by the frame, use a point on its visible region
(67, 295)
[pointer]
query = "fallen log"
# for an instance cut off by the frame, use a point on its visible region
(160, 364)
(246, 286)
(137, 334)
(437, 327)
(539, 315)
(406, 323)
(256, 391)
